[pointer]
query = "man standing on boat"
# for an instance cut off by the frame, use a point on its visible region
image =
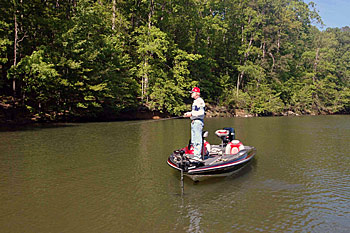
(197, 117)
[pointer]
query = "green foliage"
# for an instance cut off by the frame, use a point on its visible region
(97, 67)
(97, 58)
(4, 41)
(344, 100)
(301, 100)
(181, 72)
(40, 81)
(151, 48)
(264, 100)
(168, 97)
(252, 71)
(240, 101)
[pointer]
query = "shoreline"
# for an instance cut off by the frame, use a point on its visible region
(137, 115)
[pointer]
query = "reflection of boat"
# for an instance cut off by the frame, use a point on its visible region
(217, 160)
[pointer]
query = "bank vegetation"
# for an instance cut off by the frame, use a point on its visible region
(83, 59)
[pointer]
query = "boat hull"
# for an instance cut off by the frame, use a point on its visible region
(225, 165)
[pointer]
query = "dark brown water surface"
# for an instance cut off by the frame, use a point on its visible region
(113, 177)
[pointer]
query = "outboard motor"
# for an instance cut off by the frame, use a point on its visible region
(232, 135)
(229, 144)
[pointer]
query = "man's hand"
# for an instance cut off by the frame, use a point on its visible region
(188, 114)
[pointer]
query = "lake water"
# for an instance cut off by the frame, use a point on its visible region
(113, 177)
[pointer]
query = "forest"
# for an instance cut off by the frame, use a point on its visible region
(63, 60)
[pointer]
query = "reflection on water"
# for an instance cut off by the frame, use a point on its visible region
(113, 177)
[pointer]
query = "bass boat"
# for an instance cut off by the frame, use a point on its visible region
(217, 160)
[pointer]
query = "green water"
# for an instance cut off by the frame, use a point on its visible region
(113, 177)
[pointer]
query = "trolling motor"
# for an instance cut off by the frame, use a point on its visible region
(183, 167)
(182, 159)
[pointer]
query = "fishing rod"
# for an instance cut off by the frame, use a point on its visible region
(150, 121)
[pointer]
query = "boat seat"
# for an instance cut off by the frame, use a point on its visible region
(234, 147)
(205, 134)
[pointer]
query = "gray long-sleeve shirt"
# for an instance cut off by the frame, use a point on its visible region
(198, 111)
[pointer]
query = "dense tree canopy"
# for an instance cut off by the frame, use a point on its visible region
(85, 58)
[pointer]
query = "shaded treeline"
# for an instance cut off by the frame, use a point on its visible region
(80, 58)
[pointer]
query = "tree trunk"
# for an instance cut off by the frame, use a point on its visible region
(150, 14)
(315, 95)
(145, 80)
(315, 65)
(239, 80)
(146, 77)
(246, 54)
(263, 50)
(273, 61)
(15, 54)
(279, 41)
(113, 17)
